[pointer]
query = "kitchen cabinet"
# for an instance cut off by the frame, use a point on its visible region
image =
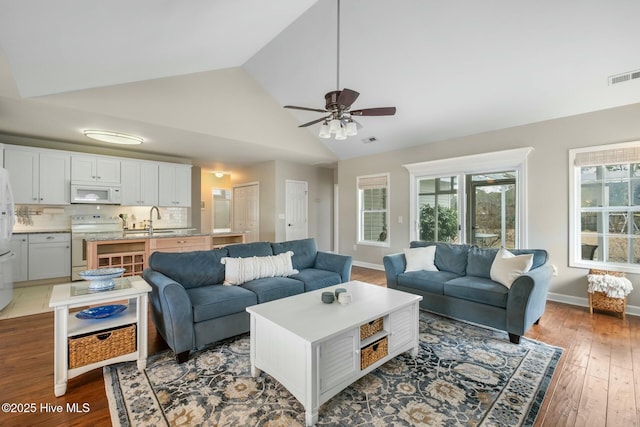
(19, 246)
(38, 176)
(180, 244)
(140, 183)
(95, 170)
(174, 185)
(49, 255)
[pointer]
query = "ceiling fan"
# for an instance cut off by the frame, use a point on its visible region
(339, 120)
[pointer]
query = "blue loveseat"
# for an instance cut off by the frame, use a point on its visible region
(462, 287)
(191, 307)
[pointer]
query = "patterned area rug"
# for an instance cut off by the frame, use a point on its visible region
(464, 375)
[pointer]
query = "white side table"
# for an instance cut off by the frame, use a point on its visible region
(72, 295)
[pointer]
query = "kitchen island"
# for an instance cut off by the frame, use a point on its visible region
(130, 250)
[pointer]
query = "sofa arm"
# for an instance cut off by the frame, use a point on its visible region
(394, 264)
(527, 299)
(340, 264)
(171, 311)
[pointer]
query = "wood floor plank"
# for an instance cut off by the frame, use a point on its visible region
(601, 361)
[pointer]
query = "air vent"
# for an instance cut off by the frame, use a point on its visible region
(624, 77)
(370, 140)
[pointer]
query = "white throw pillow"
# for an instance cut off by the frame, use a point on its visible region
(507, 267)
(421, 259)
(241, 270)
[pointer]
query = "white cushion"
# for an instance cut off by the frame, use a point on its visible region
(421, 259)
(507, 267)
(241, 270)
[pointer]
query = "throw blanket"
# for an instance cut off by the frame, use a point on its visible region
(612, 286)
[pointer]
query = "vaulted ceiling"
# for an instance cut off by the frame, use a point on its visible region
(207, 79)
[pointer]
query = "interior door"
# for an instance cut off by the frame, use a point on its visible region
(246, 211)
(296, 210)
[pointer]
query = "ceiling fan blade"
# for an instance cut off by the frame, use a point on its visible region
(317, 110)
(314, 121)
(347, 97)
(382, 111)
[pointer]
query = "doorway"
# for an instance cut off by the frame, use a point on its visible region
(246, 211)
(296, 210)
(492, 209)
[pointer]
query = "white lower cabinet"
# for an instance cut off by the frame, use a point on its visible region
(49, 255)
(19, 246)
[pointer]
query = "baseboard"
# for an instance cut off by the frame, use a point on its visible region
(372, 266)
(633, 310)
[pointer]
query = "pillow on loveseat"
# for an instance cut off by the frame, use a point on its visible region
(420, 259)
(242, 270)
(507, 267)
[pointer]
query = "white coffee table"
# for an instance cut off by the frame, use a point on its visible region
(314, 349)
(130, 290)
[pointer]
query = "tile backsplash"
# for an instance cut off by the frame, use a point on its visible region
(34, 218)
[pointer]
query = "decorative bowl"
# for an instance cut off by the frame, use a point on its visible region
(101, 311)
(327, 297)
(102, 278)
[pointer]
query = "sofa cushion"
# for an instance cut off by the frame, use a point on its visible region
(425, 281)
(477, 289)
(304, 252)
(244, 250)
(449, 256)
(272, 288)
(316, 279)
(540, 256)
(479, 261)
(420, 259)
(241, 270)
(190, 269)
(211, 302)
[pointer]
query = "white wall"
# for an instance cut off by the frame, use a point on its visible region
(548, 191)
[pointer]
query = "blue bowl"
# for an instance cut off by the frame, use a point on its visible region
(328, 297)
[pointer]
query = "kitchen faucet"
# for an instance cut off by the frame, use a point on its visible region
(151, 218)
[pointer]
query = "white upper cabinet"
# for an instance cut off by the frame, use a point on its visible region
(95, 170)
(38, 176)
(139, 183)
(174, 185)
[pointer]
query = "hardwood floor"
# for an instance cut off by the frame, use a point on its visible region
(597, 382)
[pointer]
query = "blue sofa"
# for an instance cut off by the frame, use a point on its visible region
(463, 289)
(190, 306)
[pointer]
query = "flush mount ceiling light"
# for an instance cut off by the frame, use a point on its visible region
(113, 137)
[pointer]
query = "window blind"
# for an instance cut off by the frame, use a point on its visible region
(608, 157)
(372, 182)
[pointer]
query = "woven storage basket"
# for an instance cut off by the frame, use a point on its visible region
(101, 345)
(374, 352)
(371, 328)
(600, 300)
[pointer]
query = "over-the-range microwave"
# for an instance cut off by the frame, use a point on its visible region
(95, 194)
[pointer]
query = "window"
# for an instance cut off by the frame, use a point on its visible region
(605, 207)
(478, 199)
(373, 196)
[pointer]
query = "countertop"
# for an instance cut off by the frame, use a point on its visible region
(158, 234)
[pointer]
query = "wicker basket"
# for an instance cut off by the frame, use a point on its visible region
(101, 345)
(371, 328)
(600, 300)
(374, 352)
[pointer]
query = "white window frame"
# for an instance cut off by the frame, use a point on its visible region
(360, 240)
(498, 161)
(575, 252)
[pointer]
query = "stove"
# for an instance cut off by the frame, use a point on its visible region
(82, 227)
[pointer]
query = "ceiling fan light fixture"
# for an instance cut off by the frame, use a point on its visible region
(351, 128)
(113, 137)
(334, 126)
(341, 134)
(324, 130)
